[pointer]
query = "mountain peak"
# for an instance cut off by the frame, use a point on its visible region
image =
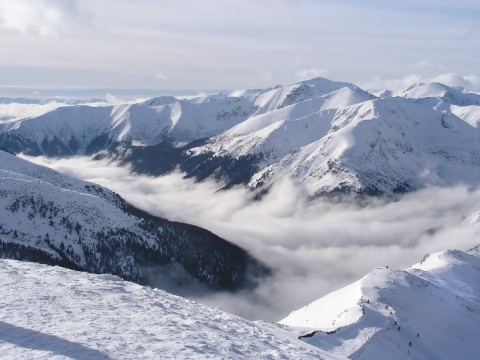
(160, 101)
(452, 95)
(401, 312)
(329, 136)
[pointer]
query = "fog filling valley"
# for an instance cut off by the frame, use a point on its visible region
(314, 247)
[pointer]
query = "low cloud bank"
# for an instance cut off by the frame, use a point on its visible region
(314, 247)
(470, 82)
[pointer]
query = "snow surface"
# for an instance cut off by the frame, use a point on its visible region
(429, 311)
(54, 313)
(22, 181)
(455, 96)
(149, 122)
(342, 305)
(328, 136)
(146, 123)
(85, 226)
(281, 130)
(381, 145)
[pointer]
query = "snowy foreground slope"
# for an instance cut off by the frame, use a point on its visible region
(429, 311)
(328, 136)
(51, 218)
(54, 313)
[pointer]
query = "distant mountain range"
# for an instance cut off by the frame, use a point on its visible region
(328, 136)
(429, 311)
(51, 218)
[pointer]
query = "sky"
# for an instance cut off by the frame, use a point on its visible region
(200, 45)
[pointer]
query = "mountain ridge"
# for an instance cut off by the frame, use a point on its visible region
(328, 136)
(399, 314)
(55, 313)
(52, 218)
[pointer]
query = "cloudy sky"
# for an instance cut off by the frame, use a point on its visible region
(229, 44)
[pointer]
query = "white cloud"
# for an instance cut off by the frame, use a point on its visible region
(190, 40)
(311, 73)
(472, 34)
(43, 17)
(314, 246)
(473, 80)
(267, 75)
(470, 82)
(429, 65)
(377, 83)
(22, 111)
(161, 76)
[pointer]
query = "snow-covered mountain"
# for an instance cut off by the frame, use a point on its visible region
(54, 313)
(329, 136)
(429, 311)
(51, 218)
(383, 146)
(12, 109)
(455, 96)
(87, 130)
(84, 129)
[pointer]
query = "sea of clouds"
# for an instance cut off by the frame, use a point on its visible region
(313, 246)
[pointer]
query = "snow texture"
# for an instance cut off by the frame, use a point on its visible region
(429, 311)
(328, 136)
(54, 313)
(49, 217)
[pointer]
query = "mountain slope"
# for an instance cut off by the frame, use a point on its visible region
(454, 96)
(282, 130)
(285, 119)
(84, 129)
(52, 218)
(53, 313)
(429, 311)
(328, 136)
(384, 146)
